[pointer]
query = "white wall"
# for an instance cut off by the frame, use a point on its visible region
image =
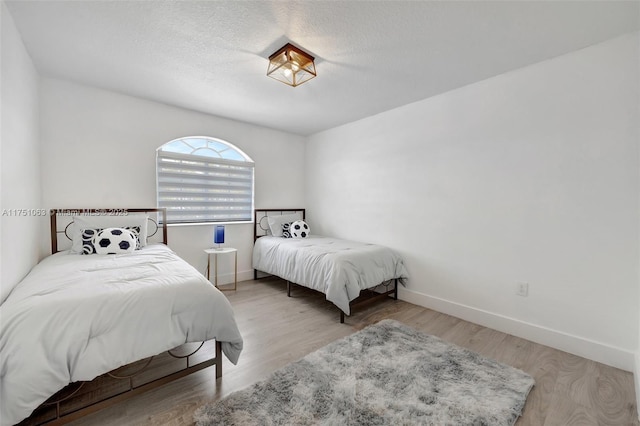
(531, 176)
(20, 183)
(99, 149)
(636, 371)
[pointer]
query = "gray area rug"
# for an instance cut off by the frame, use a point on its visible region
(385, 374)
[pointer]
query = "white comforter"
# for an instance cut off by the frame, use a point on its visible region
(76, 317)
(337, 268)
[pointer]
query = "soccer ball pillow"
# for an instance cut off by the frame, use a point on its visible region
(299, 229)
(114, 241)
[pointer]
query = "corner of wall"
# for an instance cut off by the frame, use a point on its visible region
(22, 230)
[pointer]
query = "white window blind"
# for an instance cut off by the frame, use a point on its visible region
(200, 187)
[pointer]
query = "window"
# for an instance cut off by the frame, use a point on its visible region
(202, 179)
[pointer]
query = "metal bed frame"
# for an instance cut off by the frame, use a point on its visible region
(81, 398)
(387, 289)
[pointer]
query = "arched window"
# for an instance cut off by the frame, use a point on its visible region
(202, 179)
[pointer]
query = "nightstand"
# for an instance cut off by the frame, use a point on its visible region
(215, 253)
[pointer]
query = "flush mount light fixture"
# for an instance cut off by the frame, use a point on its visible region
(291, 66)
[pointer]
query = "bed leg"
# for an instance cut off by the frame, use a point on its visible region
(341, 317)
(395, 293)
(288, 289)
(218, 360)
(255, 275)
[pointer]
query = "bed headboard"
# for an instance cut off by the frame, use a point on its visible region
(62, 223)
(261, 224)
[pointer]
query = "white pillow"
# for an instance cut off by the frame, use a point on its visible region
(275, 222)
(107, 221)
(115, 241)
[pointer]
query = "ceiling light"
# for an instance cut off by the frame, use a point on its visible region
(291, 65)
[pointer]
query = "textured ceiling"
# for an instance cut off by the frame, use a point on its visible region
(210, 56)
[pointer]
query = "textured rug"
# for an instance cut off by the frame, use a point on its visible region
(385, 374)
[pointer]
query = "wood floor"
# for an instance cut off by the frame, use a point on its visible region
(569, 390)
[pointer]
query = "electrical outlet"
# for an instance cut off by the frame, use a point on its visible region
(522, 289)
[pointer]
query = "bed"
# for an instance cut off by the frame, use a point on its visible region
(81, 332)
(348, 273)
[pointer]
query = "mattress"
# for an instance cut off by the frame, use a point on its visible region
(338, 268)
(75, 317)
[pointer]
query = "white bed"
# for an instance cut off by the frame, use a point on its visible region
(75, 317)
(338, 268)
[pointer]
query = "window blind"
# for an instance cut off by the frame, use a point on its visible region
(204, 189)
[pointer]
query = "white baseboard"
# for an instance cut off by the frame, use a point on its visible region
(636, 380)
(586, 348)
(228, 277)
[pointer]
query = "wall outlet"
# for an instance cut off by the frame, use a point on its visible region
(522, 289)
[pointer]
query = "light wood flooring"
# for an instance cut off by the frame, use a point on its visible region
(569, 390)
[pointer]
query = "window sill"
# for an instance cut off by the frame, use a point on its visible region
(170, 225)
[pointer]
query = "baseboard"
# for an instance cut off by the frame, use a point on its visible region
(586, 348)
(636, 380)
(228, 277)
